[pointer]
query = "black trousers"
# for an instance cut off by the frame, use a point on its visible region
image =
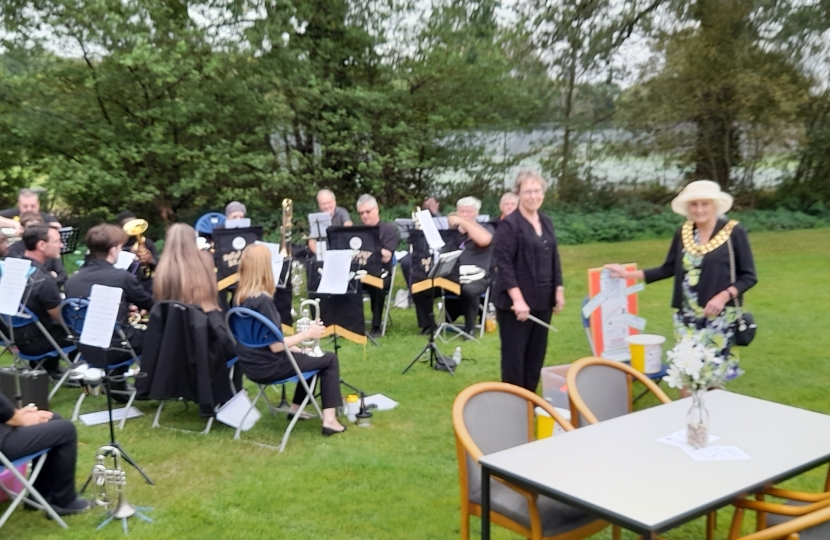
(377, 298)
(329, 376)
(56, 481)
(31, 341)
(465, 305)
(523, 346)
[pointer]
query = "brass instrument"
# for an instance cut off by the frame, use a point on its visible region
(310, 347)
(286, 227)
(109, 488)
(415, 218)
(137, 228)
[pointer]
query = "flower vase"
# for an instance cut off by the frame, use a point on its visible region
(697, 421)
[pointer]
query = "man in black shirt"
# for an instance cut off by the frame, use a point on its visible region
(104, 243)
(367, 207)
(54, 266)
(29, 201)
(42, 242)
(28, 430)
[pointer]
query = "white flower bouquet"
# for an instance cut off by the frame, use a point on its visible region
(696, 367)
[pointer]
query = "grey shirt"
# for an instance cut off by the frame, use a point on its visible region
(340, 217)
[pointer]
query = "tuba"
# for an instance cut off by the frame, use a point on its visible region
(310, 347)
(286, 227)
(137, 228)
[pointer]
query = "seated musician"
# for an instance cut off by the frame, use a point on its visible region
(104, 243)
(474, 266)
(432, 204)
(233, 210)
(4, 245)
(256, 285)
(339, 216)
(508, 203)
(42, 243)
(367, 207)
(28, 200)
(13, 225)
(54, 266)
(147, 257)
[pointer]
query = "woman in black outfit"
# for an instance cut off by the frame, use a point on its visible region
(255, 291)
(698, 260)
(528, 282)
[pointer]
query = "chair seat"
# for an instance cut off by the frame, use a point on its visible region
(35, 357)
(306, 375)
(557, 518)
(25, 459)
(819, 532)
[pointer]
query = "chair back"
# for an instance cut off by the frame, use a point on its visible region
(20, 322)
(252, 329)
(209, 221)
(812, 526)
(73, 314)
(489, 417)
(600, 389)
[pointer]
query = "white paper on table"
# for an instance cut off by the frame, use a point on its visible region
(125, 259)
(277, 259)
(383, 403)
(678, 438)
(592, 304)
(431, 233)
(13, 284)
(101, 315)
(319, 223)
(727, 452)
(235, 409)
(102, 417)
(637, 287)
(336, 267)
(241, 223)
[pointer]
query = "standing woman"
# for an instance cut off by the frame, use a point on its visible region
(528, 282)
(255, 291)
(699, 261)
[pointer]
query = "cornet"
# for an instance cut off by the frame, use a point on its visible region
(310, 347)
(106, 482)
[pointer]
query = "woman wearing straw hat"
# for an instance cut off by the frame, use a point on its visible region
(699, 261)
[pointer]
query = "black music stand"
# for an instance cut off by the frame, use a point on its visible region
(69, 237)
(442, 268)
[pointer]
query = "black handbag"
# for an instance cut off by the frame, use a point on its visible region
(745, 326)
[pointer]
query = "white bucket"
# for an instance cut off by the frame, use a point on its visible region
(646, 352)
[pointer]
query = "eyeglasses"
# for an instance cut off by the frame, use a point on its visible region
(369, 211)
(531, 192)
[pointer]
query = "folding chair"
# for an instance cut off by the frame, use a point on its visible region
(256, 331)
(206, 223)
(447, 324)
(37, 459)
(25, 317)
(73, 314)
(389, 295)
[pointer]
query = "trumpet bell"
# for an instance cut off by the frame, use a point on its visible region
(135, 227)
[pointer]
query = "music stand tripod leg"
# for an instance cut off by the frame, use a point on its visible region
(434, 354)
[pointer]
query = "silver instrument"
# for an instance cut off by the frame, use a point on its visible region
(109, 488)
(310, 347)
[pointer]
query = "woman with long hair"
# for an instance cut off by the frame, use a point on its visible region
(256, 291)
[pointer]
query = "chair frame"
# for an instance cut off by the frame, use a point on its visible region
(578, 405)
(465, 445)
(37, 459)
(789, 530)
(300, 376)
(389, 296)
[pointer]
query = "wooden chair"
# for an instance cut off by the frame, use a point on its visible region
(600, 389)
(811, 526)
(487, 418)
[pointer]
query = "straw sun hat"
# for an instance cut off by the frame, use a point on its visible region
(701, 190)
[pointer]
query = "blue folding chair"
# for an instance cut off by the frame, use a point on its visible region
(36, 500)
(209, 221)
(254, 330)
(25, 317)
(73, 315)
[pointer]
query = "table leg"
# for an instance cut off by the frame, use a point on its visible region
(485, 504)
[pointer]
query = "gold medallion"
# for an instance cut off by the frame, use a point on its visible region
(687, 235)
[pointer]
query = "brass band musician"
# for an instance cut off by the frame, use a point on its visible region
(340, 217)
(147, 254)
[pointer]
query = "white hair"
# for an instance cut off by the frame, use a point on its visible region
(326, 192)
(366, 199)
(469, 201)
(508, 195)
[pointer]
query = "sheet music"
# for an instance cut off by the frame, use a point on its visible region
(441, 223)
(241, 223)
(101, 315)
(125, 259)
(13, 284)
(319, 222)
(277, 259)
(431, 233)
(336, 267)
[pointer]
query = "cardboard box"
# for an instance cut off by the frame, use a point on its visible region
(554, 385)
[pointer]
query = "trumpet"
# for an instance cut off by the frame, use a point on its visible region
(137, 228)
(286, 227)
(310, 347)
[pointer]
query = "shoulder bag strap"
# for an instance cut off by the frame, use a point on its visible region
(732, 276)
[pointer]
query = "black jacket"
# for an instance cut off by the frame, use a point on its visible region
(515, 262)
(714, 271)
(185, 351)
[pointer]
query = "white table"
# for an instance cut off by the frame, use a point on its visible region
(618, 471)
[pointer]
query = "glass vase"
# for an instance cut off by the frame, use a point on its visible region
(697, 421)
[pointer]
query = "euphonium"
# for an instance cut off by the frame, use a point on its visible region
(137, 228)
(286, 227)
(310, 347)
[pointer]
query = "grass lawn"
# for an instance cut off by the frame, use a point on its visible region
(398, 478)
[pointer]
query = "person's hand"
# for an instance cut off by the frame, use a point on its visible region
(145, 256)
(521, 309)
(133, 308)
(617, 271)
(560, 301)
(315, 331)
(31, 416)
(454, 220)
(18, 228)
(716, 304)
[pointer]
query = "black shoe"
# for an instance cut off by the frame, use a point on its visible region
(328, 432)
(425, 330)
(57, 373)
(375, 332)
(78, 506)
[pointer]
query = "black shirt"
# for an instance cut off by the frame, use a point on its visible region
(7, 409)
(12, 213)
(388, 240)
(258, 364)
(543, 248)
(17, 249)
(45, 296)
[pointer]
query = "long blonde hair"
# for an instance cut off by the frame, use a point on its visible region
(255, 275)
(183, 274)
